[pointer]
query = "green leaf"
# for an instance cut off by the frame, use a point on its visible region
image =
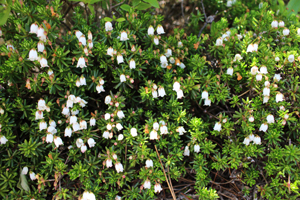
(4, 16)
(23, 183)
(94, 1)
(294, 5)
(121, 19)
(125, 7)
(135, 2)
(142, 6)
(108, 19)
(153, 3)
(91, 7)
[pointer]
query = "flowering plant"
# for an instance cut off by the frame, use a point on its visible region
(117, 108)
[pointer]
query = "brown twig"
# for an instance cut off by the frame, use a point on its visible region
(172, 192)
(117, 4)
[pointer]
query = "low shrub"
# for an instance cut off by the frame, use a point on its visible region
(114, 108)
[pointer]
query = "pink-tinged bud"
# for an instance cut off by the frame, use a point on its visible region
(112, 120)
(133, 112)
(123, 176)
(116, 96)
(111, 103)
(127, 76)
(115, 143)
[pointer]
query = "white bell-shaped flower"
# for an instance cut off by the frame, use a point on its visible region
(107, 99)
(207, 102)
(219, 41)
(108, 26)
(154, 93)
(161, 92)
(32, 176)
(124, 36)
(257, 140)
(106, 134)
(58, 141)
(270, 119)
(281, 23)
(108, 163)
(254, 70)
(160, 30)
(3, 139)
(274, 24)
(25, 170)
(73, 119)
(180, 94)
(66, 111)
(34, 28)
(82, 39)
(147, 184)
(83, 148)
(78, 34)
(277, 77)
(155, 126)
(81, 62)
(150, 30)
(156, 40)
(122, 78)
(266, 91)
(49, 138)
(92, 121)
(132, 64)
(110, 51)
(186, 151)
(176, 86)
(40, 32)
(279, 97)
(88, 196)
(291, 58)
(157, 188)
(263, 127)
(229, 71)
(119, 167)
(41, 47)
(133, 132)
(120, 59)
(263, 70)
(149, 163)
(91, 142)
(33, 55)
(83, 124)
(119, 126)
(286, 32)
(218, 127)
(237, 57)
(153, 135)
(164, 130)
(168, 53)
(180, 130)
(44, 62)
(197, 148)
(68, 132)
(266, 99)
(120, 114)
(246, 141)
(204, 94)
(120, 137)
(251, 119)
(39, 115)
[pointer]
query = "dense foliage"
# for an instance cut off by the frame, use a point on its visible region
(113, 108)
